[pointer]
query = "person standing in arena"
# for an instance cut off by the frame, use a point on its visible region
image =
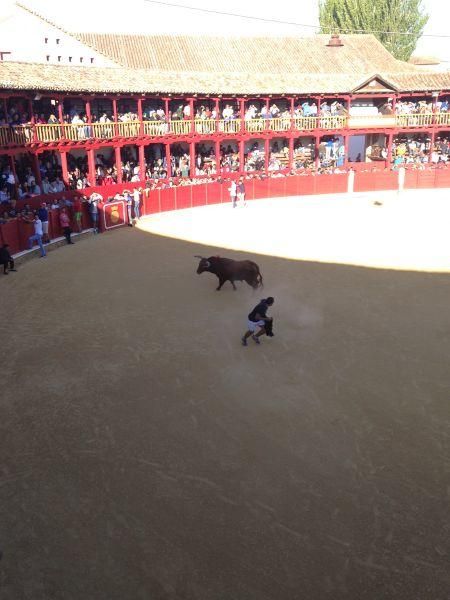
(257, 319)
(37, 237)
(241, 191)
(43, 216)
(93, 209)
(137, 203)
(77, 213)
(64, 221)
(233, 192)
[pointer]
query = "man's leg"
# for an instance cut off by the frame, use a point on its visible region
(31, 240)
(11, 265)
(41, 246)
(5, 269)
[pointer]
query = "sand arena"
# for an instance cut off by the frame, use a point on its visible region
(147, 455)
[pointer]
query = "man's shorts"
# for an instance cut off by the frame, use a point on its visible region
(253, 325)
(45, 227)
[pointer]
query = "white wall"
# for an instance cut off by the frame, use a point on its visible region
(24, 34)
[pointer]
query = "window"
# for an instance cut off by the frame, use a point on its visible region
(57, 40)
(92, 60)
(48, 57)
(81, 59)
(46, 40)
(70, 59)
(59, 59)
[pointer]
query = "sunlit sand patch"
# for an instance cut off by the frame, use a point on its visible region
(407, 231)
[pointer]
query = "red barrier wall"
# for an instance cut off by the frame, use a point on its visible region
(183, 197)
(16, 232)
(381, 180)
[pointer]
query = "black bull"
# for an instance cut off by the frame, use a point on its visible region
(230, 270)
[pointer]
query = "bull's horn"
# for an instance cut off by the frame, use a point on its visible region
(197, 256)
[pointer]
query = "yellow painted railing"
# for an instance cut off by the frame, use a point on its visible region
(205, 126)
(19, 135)
(254, 125)
(418, 120)
(279, 124)
(232, 126)
(102, 131)
(442, 118)
(305, 123)
(128, 128)
(332, 122)
(180, 127)
(156, 128)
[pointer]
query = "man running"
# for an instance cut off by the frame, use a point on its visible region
(37, 237)
(257, 319)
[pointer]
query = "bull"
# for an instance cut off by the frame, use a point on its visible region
(230, 270)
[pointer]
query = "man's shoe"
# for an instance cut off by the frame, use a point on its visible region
(255, 339)
(13, 270)
(244, 341)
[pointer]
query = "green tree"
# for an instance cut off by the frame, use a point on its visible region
(384, 18)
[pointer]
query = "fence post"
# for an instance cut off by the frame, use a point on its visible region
(351, 181)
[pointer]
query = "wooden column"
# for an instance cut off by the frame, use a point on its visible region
(217, 155)
(36, 170)
(291, 153)
(114, 104)
(64, 169)
(87, 106)
(216, 108)
(191, 116)
(140, 117)
(266, 154)
(389, 149)
(346, 140)
(192, 157)
(61, 117)
(241, 113)
(118, 164)
(266, 121)
(316, 151)
(241, 156)
(91, 166)
(168, 160)
(141, 150)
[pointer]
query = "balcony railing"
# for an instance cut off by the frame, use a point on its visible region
(21, 135)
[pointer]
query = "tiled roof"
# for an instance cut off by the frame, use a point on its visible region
(359, 54)
(252, 66)
(28, 76)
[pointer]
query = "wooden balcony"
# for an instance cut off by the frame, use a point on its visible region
(24, 135)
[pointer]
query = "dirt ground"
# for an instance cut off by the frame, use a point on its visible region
(146, 455)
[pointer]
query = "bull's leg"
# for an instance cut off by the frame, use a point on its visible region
(221, 282)
(232, 283)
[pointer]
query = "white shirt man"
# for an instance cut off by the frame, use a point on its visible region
(37, 237)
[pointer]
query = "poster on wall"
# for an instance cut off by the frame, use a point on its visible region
(114, 214)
